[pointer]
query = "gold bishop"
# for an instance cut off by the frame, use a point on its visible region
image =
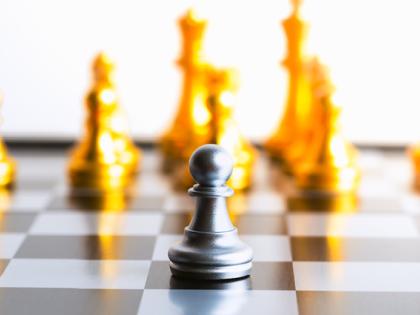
(105, 158)
(330, 164)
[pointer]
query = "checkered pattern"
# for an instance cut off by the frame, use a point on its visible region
(62, 255)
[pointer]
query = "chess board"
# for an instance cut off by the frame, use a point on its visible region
(80, 253)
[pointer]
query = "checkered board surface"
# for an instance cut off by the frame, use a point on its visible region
(65, 256)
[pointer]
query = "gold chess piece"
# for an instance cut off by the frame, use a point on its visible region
(105, 158)
(221, 85)
(7, 164)
(331, 161)
(190, 126)
(294, 126)
(297, 152)
(414, 153)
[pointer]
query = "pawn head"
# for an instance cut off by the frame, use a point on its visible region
(211, 165)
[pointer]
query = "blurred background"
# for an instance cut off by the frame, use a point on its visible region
(371, 47)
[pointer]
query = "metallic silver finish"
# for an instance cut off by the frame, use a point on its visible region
(211, 248)
(211, 165)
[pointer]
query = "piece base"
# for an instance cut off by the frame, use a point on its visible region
(101, 179)
(207, 272)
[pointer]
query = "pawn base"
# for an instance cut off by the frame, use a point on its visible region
(101, 179)
(208, 272)
(343, 180)
(210, 256)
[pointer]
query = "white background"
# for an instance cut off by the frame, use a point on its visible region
(372, 48)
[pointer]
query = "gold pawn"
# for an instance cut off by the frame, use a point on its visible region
(331, 161)
(294, 126)
(7, 164)
(105, 158)
(190, 126)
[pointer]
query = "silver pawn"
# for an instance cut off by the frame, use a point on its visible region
(211, 248)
